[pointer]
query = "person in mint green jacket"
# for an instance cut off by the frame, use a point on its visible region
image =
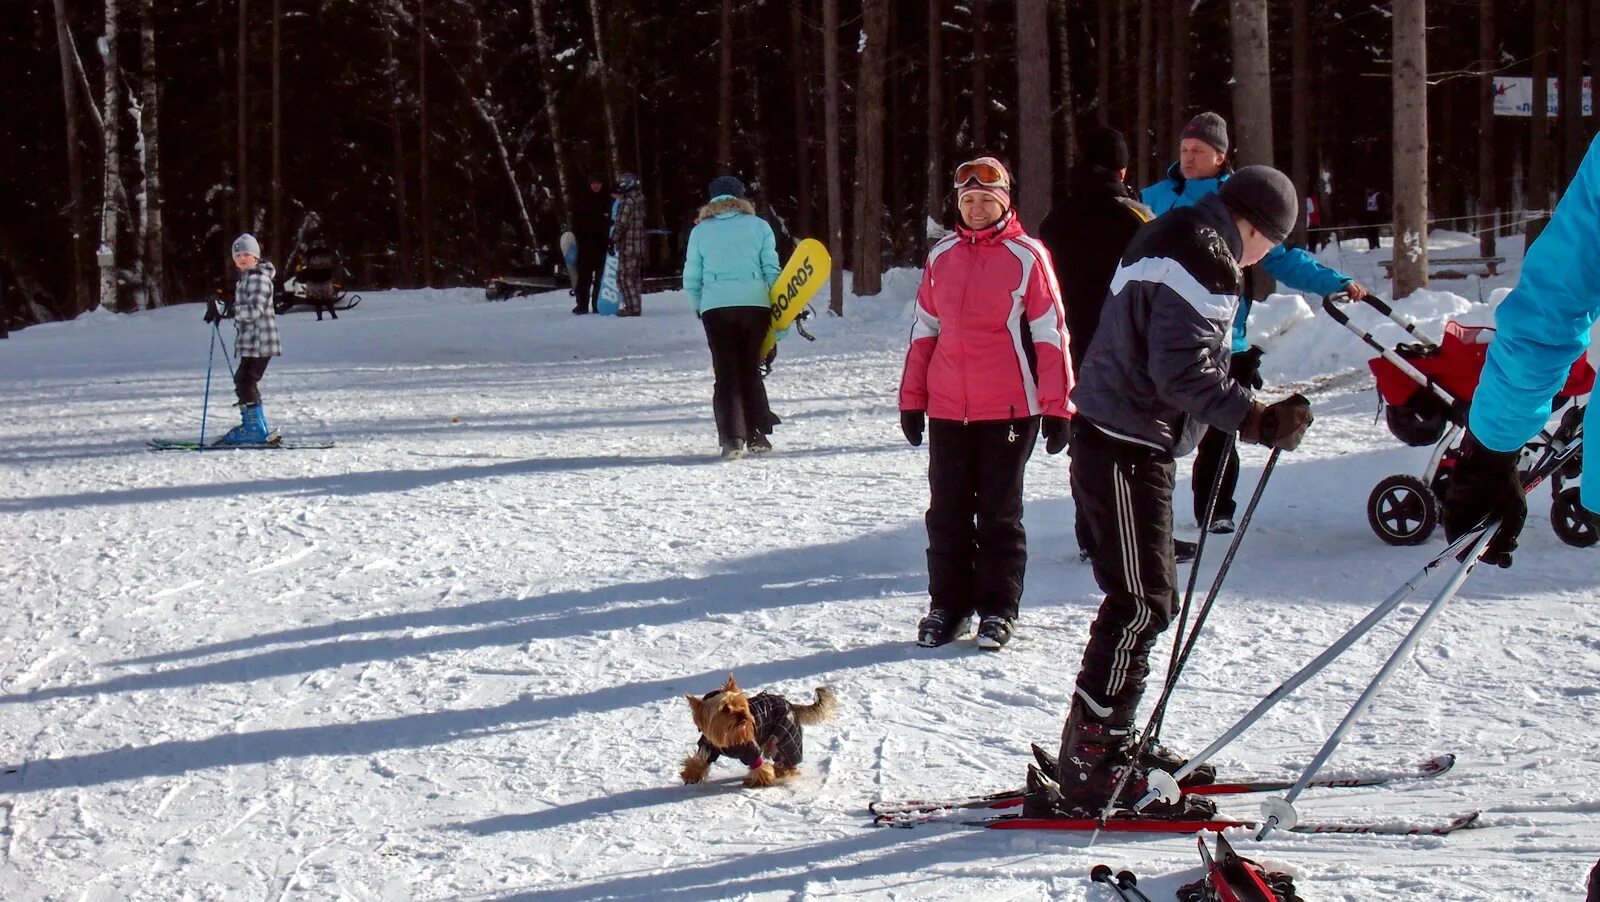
(729, 271)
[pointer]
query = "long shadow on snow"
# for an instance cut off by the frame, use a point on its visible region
(175, 757)
(802, 572)
(371, 482)
(902, 857)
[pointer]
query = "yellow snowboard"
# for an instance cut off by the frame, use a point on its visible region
(806, 272)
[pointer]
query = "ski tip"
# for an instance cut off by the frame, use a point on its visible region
(1438, 764)
(1464, 822)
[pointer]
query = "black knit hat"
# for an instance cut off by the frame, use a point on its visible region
(725, 186)
(1265, 198)
(1105, 147)
(1210, 128)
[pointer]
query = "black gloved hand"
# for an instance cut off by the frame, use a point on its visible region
(1056, 432)
(1245, 367)
(216, 310)
(1281, 425)
(912, 422)
(1485, 485)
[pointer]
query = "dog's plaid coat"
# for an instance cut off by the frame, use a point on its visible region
(778, 735)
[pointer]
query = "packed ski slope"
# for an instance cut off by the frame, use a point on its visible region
(446, 658)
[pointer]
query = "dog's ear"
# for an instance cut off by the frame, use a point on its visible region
(694, 702)
(730, 686)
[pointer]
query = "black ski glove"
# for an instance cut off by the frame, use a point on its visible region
(1245, 367)
(912, 422)
(1281, 425)
(1485, 485)
(1056, 432)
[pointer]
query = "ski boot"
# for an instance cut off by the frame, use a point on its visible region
(252, 428)
(1092, 761)
(940, 627)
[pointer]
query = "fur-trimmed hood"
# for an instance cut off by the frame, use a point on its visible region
(725, 205)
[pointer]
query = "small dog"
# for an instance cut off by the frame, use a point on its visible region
(763, 731)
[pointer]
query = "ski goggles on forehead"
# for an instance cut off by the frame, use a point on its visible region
(982, 173)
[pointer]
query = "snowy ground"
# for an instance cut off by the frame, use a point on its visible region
(446, 659)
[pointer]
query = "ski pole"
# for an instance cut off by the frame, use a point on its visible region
(1152, 729)
(205, 403)
(1102, 874)
(1280, 812)
(1130, 883)
(1199, 550)
(1316, 666)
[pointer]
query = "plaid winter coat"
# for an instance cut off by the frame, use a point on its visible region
(255, 323)
(778, 735)
(627, 233)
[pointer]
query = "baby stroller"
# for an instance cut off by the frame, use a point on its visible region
(1425, 389)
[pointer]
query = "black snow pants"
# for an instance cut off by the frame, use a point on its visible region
(1124, 491)
(739, 399)
(977, 550)
(1216, 451)
(590, 264)
(247, 379)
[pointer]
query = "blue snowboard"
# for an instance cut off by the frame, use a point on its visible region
(610, 294)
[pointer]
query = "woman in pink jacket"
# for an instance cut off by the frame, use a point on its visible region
(988, 365)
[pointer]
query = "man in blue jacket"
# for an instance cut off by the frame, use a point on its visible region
(1542, 327)
(1202, 168)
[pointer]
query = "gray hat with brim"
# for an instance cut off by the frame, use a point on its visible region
(1265, 198)
(247, 244)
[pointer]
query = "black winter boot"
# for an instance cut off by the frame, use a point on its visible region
(940, 627)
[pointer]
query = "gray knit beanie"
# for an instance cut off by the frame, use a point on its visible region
(1210, 128)
(725, 186)
(1265, 198)
(247, 244)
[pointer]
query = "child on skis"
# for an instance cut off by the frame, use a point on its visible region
(256, 340)
(988, 359)
(728, 272)
(1155, 377)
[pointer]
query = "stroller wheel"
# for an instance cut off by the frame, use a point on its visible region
(1402, 510)
(1572, 523)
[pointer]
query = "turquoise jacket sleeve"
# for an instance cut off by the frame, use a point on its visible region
(693, 264)
(770, 264)
(1543, 325)
(1299, 270)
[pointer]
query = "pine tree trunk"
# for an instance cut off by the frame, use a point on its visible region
(69, 99)
(242, 62)
(830, 77)
(154, 236)
(1300, 101)
(1161, 116)
(802, 115)
(1145, 91)
(1252, 83)
(1102, 50)
(1410, 148)
(725, 92)
(980, 75)
(552, 110)
(1572, 91)
(488, 110)
(108, 194)
(424, 139)
(1539, 152)
(1487, 63)
(1069, 105)
(1032, 193)
(1180, 75)
(276, 229)
(605, 88)
(937, 180)
(868, 262)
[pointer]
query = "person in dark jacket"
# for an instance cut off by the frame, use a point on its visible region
(1088, 228)
(591, 220)
(1155, 376)
(986, 372)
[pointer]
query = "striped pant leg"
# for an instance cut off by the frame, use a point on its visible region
(1124, 493)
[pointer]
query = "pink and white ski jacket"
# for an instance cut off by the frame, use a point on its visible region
(989, 341)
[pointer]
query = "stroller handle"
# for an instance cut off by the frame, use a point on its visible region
(1330, 304)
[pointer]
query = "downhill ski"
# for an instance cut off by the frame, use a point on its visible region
(1137, 824)
(1429, 769)
(175, 444)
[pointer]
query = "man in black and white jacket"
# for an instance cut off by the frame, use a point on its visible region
(1155, 376)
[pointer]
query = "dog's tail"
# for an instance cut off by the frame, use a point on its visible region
(820, 710)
